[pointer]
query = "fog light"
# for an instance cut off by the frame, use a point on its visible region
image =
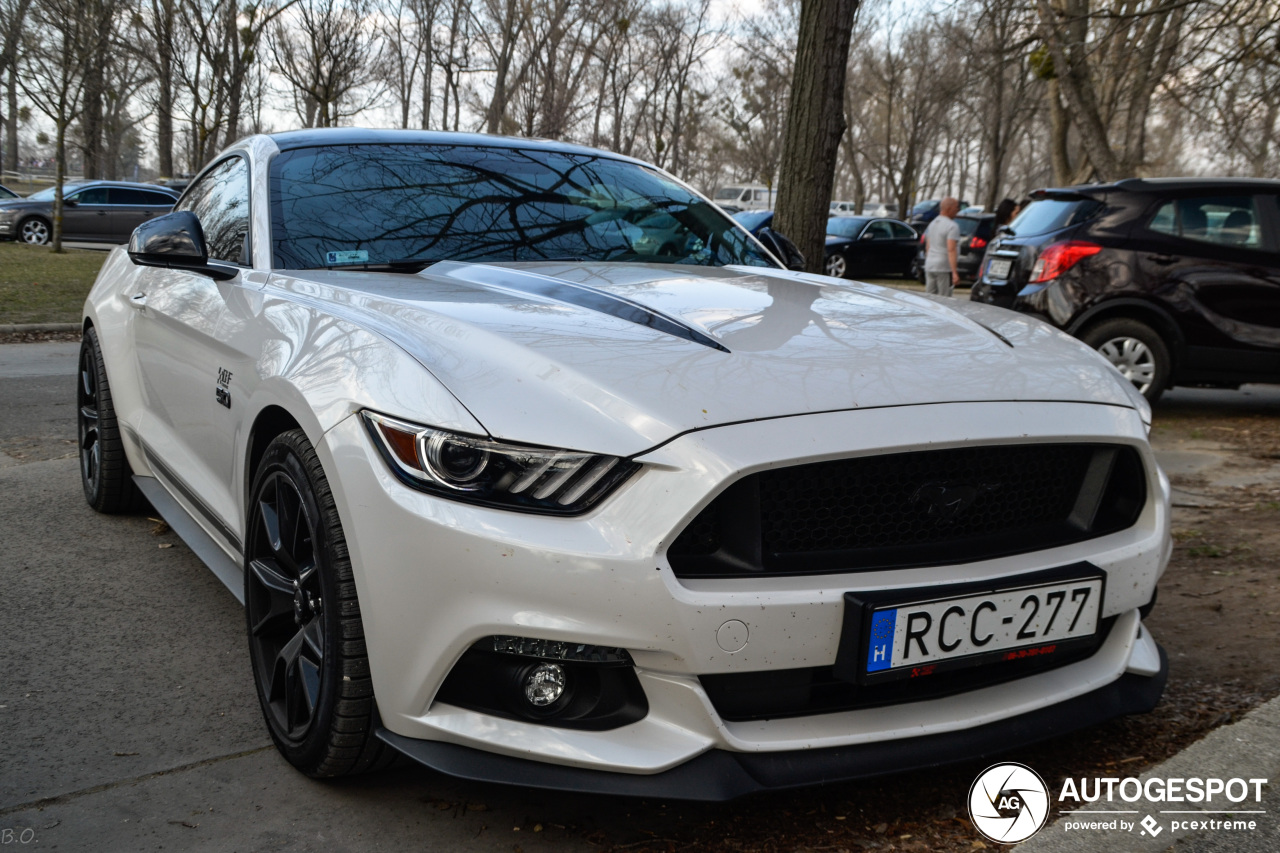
(544, 684)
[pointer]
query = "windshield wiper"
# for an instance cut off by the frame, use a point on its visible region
(409, 265)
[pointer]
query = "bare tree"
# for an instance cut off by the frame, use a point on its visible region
(324, 51)
(1107, 64)
(64, 39)
(406, 33)
(815, 124)
(13, 14)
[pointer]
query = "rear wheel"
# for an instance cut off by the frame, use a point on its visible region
(1136, 350)
(104, 469)
(306, 640)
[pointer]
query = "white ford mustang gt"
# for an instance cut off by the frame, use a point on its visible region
(529, 464)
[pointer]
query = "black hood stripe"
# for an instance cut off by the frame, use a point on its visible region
(580, 295)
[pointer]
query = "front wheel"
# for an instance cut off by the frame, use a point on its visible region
(837, 266)
(35, 231)
(104, 468)
(1136, 350)
(306, 639)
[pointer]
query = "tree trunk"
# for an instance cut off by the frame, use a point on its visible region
(91, 121)
(815, 124)
(1059, 124)
(11, 122)
(60, 175)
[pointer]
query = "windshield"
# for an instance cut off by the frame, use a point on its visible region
(728, 193)
(1052, 214)
(845, 226)
(366, 205)
(924, 207)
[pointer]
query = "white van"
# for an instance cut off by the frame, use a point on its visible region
(745, 197)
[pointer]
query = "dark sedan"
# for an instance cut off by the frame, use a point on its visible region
(858, 245)
(93, 211)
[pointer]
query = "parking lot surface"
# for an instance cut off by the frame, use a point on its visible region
(129, 720)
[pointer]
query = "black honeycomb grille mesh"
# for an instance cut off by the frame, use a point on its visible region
(885, 501)
(933, 507)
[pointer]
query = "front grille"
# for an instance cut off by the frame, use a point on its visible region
(934, 507)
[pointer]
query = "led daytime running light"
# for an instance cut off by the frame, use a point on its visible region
(482, 470)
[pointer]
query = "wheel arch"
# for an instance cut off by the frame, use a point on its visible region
(1141, 311)
(271, 421)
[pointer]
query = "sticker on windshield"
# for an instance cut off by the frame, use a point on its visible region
(357, 256)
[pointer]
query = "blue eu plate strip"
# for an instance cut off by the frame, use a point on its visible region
(880, 650)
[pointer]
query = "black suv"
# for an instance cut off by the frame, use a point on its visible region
(1175, 281)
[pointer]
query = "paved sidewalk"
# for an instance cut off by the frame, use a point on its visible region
(1249, 749)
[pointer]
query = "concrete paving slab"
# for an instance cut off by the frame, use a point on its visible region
(1249, 749)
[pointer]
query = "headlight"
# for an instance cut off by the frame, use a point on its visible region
(480, 470)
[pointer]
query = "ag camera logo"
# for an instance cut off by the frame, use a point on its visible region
(1008, 803)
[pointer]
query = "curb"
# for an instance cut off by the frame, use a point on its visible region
(19, 328)
(1249, 748)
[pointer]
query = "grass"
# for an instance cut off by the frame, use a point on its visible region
(37, 286)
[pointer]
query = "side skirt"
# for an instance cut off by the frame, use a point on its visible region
(204, 546)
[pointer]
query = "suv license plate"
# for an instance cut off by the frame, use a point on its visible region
(907, 637)
(999, 268)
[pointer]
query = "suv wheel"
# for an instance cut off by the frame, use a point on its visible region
(1136, 350)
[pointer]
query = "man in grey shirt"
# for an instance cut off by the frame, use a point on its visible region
(942, 240)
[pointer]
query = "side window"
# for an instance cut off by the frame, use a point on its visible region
(93, 195)
(221, 200)
(902, 232)
(1223, 220)
(880, 231)
(144, 198)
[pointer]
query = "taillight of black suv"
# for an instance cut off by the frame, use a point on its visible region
(1175, 281)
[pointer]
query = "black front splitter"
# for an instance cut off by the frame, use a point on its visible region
(719, 775)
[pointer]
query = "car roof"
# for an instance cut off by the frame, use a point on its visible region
(80, 185)
(324, 136)
(1163, 185)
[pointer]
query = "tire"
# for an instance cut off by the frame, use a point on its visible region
(35, 230)
(306, 640)
(104, 468)
(836, 265)
(1136, 350)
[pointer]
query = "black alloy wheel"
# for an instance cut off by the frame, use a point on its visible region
(306, 641)
(104, 469)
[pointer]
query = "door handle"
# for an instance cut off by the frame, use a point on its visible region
(138, 300)
(1163, 260)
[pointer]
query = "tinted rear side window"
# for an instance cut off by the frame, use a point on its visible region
(1051, 214)
(125, 195)
(1224, 220)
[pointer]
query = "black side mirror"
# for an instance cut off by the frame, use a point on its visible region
(867, 235)
(175, 241)
(69, 202)
(782, 249)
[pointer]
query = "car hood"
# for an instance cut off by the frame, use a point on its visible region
(616, 358)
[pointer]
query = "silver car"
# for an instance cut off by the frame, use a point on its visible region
(93, 211)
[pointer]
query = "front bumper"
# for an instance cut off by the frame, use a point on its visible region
(722, 775)
(436, 576)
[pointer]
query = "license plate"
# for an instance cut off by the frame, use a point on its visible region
(999, 268)
(900, 635)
